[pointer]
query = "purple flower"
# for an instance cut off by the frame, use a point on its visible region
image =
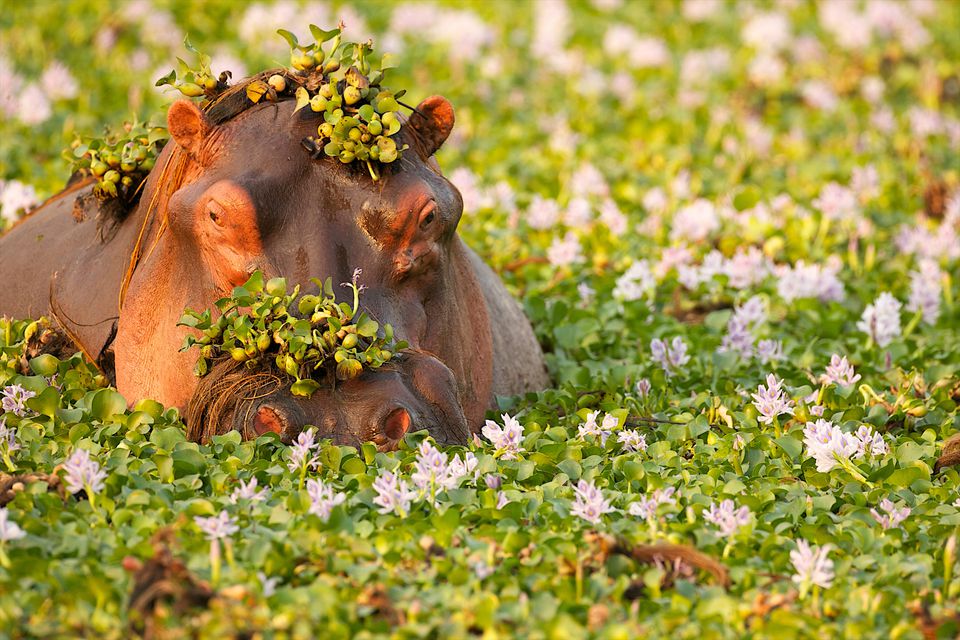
(323, 498)
(643, 387)
(8, 443)
(727, 518)
(13, 398)
(393, 494)
(671, 357)
(9, 529)
(591, 428)
(812, 566)
(506, 440)
(432, 471)
(502, 500)
(925, 291)
(830, 447)
(632, 440)
(83, 472)
(771, 401)
(646, 508)
(769, 351)
(217, 527)
(248, 491)
(881, 320)
(493, 481)
(300, 452)
(589, 502)
(636, 282)
(893, 517)
(840, 372)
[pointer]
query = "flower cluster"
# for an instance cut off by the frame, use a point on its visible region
(632, 440)
(602, 430)
(589, 502)
(812, 566)
(506, 440)
(83, 473)
(830, 447)
(881, 319)
(13, 398)
(9, 529)
(323, 498)
(301, 452)
(727, 517)
(892, 515)
(840, 372)
(217, 527)
(771, 400)
(433, 472)
(646, 508)
(670, 356)
(248, 491)
(393, 494)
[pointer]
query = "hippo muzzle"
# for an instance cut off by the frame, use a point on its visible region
(416, 392)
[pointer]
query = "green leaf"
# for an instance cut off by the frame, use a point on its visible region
(790, 445)
(107, 403)
(304, 388)
(290, 37)
(322, 35)
(303, 98)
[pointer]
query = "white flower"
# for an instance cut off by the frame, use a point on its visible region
(830, 447)
(893, 517)
(323, 498)
(217, 527)
(300, 451)
(727, 518)
(647, 507)
(506, 440)
(83, 472)
(695, 221)
(591, 428)
(771, 401)
(671, 357)
(632, 440)
(248, 491)
(925, 291)
(840, 372)
(881, 320)
(636, 282)
(542, 213)
(268, 585)
(565, 252)
(9, 529)
(589, 502)
(393, 494)
(13, 398)
(812, 565)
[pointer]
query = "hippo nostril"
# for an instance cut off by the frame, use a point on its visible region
(397, 423)
(267, 419)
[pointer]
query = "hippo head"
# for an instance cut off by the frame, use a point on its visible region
(240, 192)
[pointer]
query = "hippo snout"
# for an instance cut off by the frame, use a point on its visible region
(417, 392)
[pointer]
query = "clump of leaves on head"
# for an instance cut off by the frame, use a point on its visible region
(120, 159)
(198, 81)
(338, 80)
(307, 336)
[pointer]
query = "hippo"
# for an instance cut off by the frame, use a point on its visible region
(234, 192)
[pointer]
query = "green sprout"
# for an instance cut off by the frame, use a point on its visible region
(304, 335)
(120, 160)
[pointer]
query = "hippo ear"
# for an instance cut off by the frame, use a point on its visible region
(188, 126)
(433, 122)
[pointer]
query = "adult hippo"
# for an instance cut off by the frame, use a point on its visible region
(236, 192)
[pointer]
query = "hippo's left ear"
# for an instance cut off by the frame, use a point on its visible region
(433, 122)
(188, 126)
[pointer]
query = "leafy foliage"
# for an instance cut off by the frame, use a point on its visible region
(592, 139)
(303, 334)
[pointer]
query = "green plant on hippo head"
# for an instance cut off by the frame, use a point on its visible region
(304, 335)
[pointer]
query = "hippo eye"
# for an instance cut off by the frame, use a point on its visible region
(428, 214)
(215, 210)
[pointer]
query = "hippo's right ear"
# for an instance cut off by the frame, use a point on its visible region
(188, 126)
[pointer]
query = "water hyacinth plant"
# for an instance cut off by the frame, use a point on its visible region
(305, 336)
(765, 188)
